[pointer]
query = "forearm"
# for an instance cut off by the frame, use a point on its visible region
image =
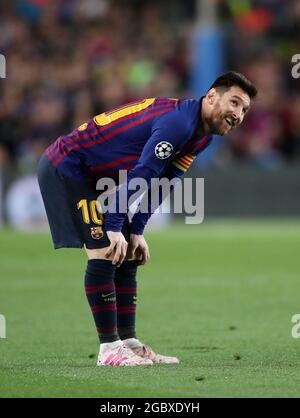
(152, 199)
(119, 206)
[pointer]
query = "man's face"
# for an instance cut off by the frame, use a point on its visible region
(227, 109)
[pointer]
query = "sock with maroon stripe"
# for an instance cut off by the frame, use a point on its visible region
(126, 290)
(101, 294)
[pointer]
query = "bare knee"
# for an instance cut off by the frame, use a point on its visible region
(98, 254)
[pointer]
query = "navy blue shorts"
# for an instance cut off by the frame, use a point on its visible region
(71, 210)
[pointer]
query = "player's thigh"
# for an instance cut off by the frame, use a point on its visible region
(96, 241)
(73, 211)
(87, 216)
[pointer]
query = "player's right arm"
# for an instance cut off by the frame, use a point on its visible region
(171, 130)
(175, 171)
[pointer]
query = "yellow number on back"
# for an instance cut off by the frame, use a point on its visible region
(108, 117)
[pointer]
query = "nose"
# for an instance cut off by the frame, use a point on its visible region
(237, 114)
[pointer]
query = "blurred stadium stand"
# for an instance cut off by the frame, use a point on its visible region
(70, 59)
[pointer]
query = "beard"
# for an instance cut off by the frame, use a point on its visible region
(218, 125)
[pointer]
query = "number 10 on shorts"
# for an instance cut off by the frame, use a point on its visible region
(90, 211)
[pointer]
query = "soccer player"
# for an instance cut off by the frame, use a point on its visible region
(151, 138)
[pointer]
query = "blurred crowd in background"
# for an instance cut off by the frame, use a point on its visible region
(68, 60)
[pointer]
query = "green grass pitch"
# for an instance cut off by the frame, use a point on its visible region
(220, 296)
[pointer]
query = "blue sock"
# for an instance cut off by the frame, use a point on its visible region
(126, 291)
(101, 294)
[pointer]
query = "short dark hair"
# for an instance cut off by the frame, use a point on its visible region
(233, 78)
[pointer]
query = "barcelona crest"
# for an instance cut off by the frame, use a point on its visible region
(97, 232)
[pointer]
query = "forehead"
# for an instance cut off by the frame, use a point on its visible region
(237, 92)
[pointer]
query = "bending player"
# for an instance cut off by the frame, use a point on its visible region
(152, 138)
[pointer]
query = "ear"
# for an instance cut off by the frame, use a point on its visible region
(211, 95)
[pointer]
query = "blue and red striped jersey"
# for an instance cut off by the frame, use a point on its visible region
(148, 138)
(115, 140)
